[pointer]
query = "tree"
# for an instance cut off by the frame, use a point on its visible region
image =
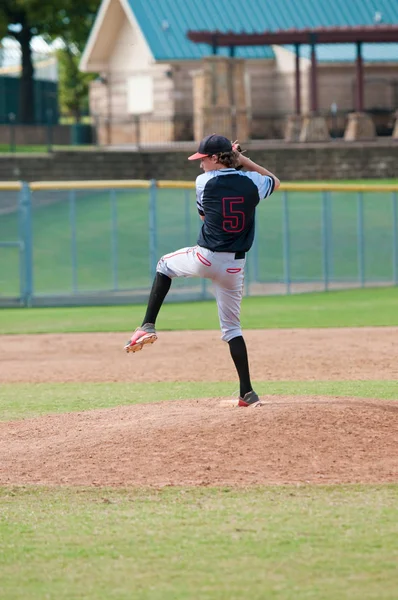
(26, 18)
(18, 25)
(73, 84)
(72, 23)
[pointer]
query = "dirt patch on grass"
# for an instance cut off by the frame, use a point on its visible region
(299, 354)
(195, 442)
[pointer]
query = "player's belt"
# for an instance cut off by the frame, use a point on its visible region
(239, 255)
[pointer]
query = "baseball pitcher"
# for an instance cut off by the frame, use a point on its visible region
(227, 194)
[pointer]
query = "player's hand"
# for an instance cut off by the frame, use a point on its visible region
(237, 150)
(236, 147)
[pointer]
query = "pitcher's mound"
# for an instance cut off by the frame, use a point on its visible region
(196, 442)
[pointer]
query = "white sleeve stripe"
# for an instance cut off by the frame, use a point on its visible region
(271, 186)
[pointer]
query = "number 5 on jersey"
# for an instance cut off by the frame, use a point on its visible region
(233, 219)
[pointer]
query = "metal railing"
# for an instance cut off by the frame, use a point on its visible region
(97, 242)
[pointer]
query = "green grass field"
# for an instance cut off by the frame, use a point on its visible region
(349, 308)
(104, 262)
(284, 543)
(273, 542)
(25, 401)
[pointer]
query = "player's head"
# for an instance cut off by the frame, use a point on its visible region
(215, 152)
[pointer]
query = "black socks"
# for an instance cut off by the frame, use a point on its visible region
(160, 287)
(237, 347)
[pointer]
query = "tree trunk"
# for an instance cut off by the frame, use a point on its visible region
(77, 114)
(26, 91)
(74, 81)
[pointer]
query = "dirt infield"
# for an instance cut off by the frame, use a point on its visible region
(288, 354)
(195, 442)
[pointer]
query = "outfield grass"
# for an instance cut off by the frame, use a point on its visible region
(282, 543)
(271, 542)
(22, 401)
(351, 308)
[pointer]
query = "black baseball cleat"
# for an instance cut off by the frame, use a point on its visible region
(250, 399)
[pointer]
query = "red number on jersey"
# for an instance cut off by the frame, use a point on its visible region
(234, 220)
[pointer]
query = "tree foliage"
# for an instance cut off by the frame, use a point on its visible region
(73, 85)
(70, 20)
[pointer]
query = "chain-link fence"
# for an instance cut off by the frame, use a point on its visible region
(99, 242)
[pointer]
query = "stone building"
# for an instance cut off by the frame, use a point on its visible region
(154, 85)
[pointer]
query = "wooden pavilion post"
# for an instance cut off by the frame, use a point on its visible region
(360, 126)
(298, 81)
(294, 121)
(314, 76)
(359, 103)
(314, 127)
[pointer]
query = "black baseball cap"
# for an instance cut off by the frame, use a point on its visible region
(212, 144)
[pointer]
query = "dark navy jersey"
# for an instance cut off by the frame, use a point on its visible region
(228, 198)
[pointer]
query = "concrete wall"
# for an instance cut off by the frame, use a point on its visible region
(36, 134)
(335, 160)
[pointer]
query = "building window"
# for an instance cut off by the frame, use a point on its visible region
(139, 94)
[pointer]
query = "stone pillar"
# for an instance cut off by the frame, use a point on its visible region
(360, 126)
(293, 128)
(219, 98)
(314, 129)
(395, 130)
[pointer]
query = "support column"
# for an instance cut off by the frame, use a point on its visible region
(214, 46)
(234, 128)
(298, 80)
(294, 121)
(360, 126)
(395, 132)
(314, 127)
(109, 118)
(219, 98)
(314, 77)
(359, 103)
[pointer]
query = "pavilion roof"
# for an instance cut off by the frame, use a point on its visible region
(319, 35)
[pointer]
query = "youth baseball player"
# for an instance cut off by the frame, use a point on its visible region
(226, 198)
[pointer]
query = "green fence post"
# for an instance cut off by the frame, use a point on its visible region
(153, 241)
(73, 249)
(49, 115)
(256, 275)
(115, 274)
(11, 118)
(188, 240)
(286, 242)
(361, 239)
(395, 237)
(25, 224)
(330, 235)
(325, 239)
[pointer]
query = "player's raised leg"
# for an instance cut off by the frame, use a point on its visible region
(181, 263)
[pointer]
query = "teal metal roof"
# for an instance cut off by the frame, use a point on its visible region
(165, 23)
